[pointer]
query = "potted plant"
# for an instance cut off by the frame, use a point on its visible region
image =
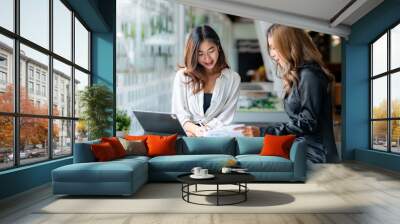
(123, 123)
(96, 102)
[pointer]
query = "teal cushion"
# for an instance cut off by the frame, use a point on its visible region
(249, 145)
(207, 145)
(257, 163)
(133, 158)
(83, 152)
(185, 163)
(111, 171)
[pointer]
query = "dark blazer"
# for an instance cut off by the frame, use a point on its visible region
(309, 107)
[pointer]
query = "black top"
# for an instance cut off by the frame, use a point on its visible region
(206, 101)
(220, 178)
(309, 108)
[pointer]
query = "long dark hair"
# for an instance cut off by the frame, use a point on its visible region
(192, 68)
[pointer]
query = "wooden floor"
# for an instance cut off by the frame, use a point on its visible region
(377, 188)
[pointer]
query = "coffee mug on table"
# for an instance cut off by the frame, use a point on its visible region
(226, 170)
(203, 172)
(196, 171)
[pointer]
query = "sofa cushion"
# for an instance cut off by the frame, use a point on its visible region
(275, 145)
(103, 151)
(112, 171)
(185, 163)
(207, 145)
(116, 145)
(249, 145)
(257, 163)
(83, 152)
(161, 145)
(136, 137)
(131, 158)
(134, 147)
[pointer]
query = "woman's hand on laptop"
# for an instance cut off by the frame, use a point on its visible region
(193, 130)
(201, 131)
(190, 129)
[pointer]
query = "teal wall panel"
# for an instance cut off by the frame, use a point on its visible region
(356, 85)
(102, 58)
(377, 158)
(356, 110)
(24, 178)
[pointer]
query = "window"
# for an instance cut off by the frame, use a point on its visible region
(37, 74)
(3, 78)
(37, 89)
(34, 22)
(6, 73)
(43, 90)
(53, 125)
(33, 149)
(81, 81)
(30, 87)
(81, 45)
(62, 129)
(3, 72)
(30, 72)
(62, 74)
(7, 14)
(55, 101)
(7, 142)
(385, 96)
(62, 29)
(3, 61)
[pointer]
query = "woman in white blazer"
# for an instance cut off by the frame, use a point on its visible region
(205, 90)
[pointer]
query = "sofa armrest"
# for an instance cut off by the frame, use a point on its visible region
(298, 157)
(83, 152)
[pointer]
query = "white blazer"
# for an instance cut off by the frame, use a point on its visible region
(189, 107)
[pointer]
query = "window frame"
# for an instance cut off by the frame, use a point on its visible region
(16, 114)
(388, 74)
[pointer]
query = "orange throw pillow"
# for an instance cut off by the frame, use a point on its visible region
(116, 145)
(277, 145)
(103, 152)
(161, 145)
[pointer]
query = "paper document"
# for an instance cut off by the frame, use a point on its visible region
(228, 130)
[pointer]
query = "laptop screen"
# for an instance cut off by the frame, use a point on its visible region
(159, 123)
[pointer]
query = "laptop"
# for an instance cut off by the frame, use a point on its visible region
(159, 123)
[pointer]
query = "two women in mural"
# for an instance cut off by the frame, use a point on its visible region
(206, 91)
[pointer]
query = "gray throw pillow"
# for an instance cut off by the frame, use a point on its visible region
(134, 147)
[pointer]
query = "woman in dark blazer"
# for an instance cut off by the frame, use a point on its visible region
(307, 93)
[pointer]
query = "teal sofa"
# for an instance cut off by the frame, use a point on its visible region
(125, 176)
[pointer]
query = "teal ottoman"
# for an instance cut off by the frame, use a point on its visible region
(118, 177)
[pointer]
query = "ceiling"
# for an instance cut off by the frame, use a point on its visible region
(327, 16)
(322, 9)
